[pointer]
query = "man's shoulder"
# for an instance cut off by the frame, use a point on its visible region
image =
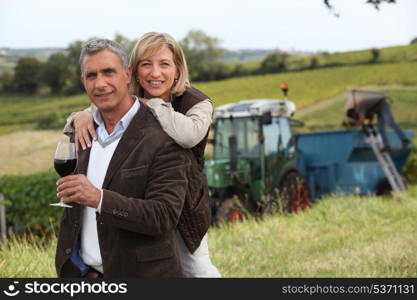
(152, 128)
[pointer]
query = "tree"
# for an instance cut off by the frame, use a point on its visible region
(414, 41)
(27, 74)
(6, 82)
(375, 55)
(314, 63)
(74, 76)
(203, 55)
(55, 72)
(125, 42)
(274, 62)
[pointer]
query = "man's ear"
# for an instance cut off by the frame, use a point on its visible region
(83, 82)
(129, 74)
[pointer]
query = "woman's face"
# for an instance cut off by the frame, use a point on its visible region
(157, 73)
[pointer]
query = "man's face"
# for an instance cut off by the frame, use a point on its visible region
(106, 80)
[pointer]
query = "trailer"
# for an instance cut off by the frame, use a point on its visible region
(341, 162)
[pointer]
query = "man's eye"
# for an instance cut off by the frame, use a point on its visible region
(109, 72)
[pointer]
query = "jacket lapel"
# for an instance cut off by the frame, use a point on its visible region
(82, 161)
(130, 138)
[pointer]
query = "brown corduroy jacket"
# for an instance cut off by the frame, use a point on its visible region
(143, 197)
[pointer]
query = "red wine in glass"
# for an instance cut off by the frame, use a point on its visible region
(65, 161)
(65, 167)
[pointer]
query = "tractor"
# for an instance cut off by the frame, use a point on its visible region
(254, 167)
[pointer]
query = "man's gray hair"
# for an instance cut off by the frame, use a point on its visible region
(96, 45)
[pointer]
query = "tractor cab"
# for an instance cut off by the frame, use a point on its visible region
(253, 150)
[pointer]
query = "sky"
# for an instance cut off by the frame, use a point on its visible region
(301, 25)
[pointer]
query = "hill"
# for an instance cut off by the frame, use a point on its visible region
(308, 61)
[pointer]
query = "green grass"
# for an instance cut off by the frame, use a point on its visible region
(28, 257)
(28, 110)
(337, 237)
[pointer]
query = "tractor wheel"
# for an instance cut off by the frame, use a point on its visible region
(294, 193)
(274, 205)
(230, 211)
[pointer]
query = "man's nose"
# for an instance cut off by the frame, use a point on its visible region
(100, 82)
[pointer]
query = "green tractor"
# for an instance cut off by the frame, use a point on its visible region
(254, 167)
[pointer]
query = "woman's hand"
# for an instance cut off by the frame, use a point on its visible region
(84, 129)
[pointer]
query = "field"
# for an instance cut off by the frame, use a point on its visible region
(308, 87)
(305, 88)
(28, 152)
(20, 112)
(31, 151)
(337, 237)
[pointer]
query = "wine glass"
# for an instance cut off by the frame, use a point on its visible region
(65, 161)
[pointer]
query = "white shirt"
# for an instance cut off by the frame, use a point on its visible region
(101, 153)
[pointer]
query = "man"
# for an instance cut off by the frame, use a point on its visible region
(364, 105)
(130, 187)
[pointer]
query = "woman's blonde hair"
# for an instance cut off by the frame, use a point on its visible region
(148, 45)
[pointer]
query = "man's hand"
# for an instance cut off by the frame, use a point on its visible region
(84, 129)
(78, 189)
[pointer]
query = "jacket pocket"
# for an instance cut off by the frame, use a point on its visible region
(135, 172)
(164, 250)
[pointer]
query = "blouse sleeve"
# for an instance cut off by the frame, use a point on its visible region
(186, 130)
(68, 128)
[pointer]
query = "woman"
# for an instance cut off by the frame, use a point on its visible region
(160, 78)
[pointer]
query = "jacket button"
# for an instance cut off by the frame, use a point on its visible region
(68, 251)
